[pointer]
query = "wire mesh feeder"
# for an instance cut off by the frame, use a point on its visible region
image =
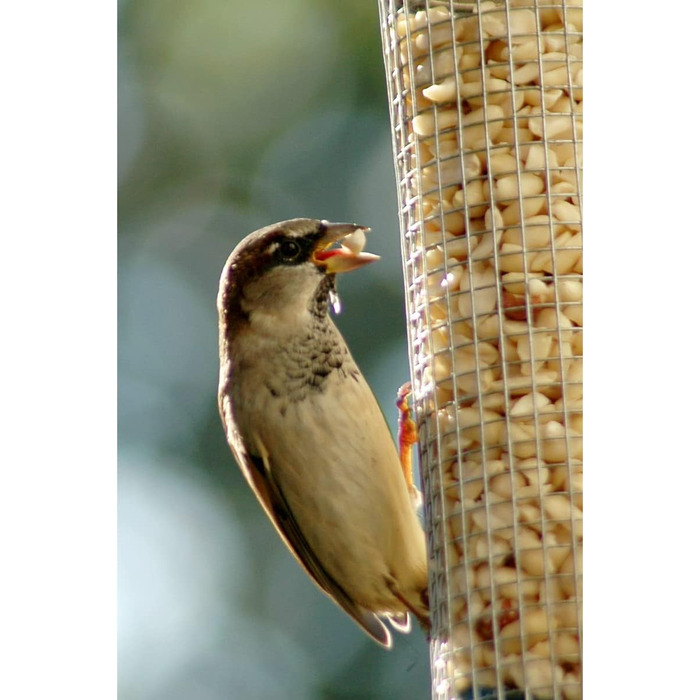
(486, 110)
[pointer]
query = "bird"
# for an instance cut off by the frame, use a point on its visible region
(306, 429)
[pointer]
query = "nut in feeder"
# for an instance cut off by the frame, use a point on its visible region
(486, 108)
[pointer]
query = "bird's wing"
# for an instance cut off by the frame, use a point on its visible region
(259, 474)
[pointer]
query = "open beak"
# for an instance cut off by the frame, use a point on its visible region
(349, 256)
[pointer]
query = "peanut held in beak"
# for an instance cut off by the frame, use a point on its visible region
(349, 256)
(355, 242)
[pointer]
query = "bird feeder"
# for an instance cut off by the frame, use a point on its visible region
(486, 115)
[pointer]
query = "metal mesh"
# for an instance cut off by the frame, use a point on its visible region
(486, 111)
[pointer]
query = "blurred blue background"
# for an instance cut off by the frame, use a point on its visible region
(232, 116)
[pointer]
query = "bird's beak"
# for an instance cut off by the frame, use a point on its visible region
(347, 257)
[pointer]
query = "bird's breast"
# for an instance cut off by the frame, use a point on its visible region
(333, 457)
(291, 365)
(335, 460)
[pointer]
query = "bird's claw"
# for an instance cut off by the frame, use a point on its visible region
(408, 436)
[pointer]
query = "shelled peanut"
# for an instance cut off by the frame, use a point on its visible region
(494, 101)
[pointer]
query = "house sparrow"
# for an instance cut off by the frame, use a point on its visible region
(306, 429)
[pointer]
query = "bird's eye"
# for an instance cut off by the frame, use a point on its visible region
(289, 250)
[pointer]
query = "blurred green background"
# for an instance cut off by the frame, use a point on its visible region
(232, 116)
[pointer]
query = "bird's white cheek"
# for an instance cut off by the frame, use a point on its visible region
(276, 324)
(278, 303)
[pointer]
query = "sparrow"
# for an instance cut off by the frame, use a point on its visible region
(306, 429)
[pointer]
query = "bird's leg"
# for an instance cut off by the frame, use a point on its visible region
(408, 436)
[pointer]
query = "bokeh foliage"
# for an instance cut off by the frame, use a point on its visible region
(231, 116)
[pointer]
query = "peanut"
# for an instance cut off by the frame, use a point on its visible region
(491, 163)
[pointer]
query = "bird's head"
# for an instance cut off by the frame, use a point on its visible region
(288, 268)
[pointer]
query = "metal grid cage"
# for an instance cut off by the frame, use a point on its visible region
(486, 112)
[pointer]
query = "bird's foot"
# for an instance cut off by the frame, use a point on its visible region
(408, 436)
